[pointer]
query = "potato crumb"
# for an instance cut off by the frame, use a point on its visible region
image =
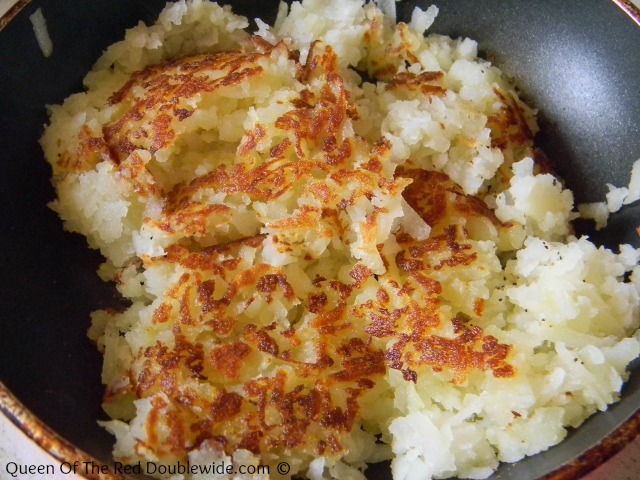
(42, 34)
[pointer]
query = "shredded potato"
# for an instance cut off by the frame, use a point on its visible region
(329, 271)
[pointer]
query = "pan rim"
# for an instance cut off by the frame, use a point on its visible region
(47, 439)
(630, 8)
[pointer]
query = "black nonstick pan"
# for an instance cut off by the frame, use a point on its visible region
(578, 63)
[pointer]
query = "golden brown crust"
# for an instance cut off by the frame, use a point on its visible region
(156, 99)
(427, 83)
(307, 404)
(246, 355)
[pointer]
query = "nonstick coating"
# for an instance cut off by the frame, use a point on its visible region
(577, 62)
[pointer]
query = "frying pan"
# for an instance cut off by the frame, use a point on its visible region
(577, 62)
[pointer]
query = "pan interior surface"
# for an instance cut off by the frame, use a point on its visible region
(582, 75)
